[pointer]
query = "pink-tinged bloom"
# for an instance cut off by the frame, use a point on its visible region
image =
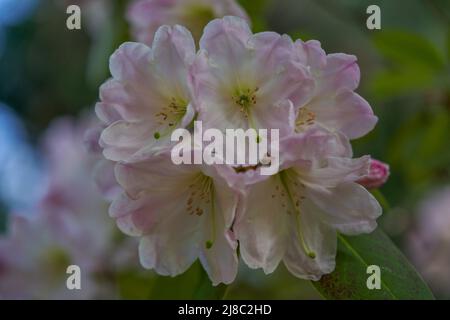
(34, 257)
(334, 104)
(378, 175)
(148, 95)
(75, 196)
(429, 241)
(293, 216)
(103, 171)
(245, 80)
(180, 212)
(72, 226)
(146, 16)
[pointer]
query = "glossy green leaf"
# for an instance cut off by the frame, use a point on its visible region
(391, 83)
(256, 12)
(399, 280)
(404, 48)
(135, 285)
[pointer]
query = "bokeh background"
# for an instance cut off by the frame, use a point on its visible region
(48, 71)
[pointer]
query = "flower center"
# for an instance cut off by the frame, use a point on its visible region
(244, 99)
(170, 115)
(305, 118)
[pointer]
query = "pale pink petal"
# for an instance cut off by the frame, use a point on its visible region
(341, 72)
(173, 51)
(334, 171)
(314, 144)
(149, 94)
(225, 40)
(280, 116)
(105, 179)
(310, 53)
(262, 225)
(220, 260)
(123, 135)
(349, 208)
(334, 104)
(307, 232)
(346, 111)
(164, 204)
(276, 75)
(172, 248)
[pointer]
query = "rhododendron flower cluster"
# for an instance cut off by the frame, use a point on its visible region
(237, 80)
(146, 16)
(69, 227)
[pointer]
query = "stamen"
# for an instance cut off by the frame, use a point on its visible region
(170, 115)
(305, 118)
(245, 99)
(201, 198)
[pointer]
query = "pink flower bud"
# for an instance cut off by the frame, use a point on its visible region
(378, 175)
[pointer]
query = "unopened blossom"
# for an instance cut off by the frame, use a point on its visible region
(334, 104)
(378, 175)
(180, 212)
(245, 80)
(149, 95)
(429, 242)
(293, 216)
(146, 16)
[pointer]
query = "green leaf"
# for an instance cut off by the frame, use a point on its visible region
(134, 285)
(205, 290)
(113, 33)
(399, 280)
(448, 45)
(424, 135)
(408, 49)
(193, 284)
(386, 84)
(256, 11)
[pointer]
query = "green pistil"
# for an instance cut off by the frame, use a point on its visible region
(311, 254)
(244, 101)
(210, 243)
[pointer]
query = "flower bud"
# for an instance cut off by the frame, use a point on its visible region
(378, 175)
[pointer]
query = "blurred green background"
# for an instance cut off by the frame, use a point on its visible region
(47, 71)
